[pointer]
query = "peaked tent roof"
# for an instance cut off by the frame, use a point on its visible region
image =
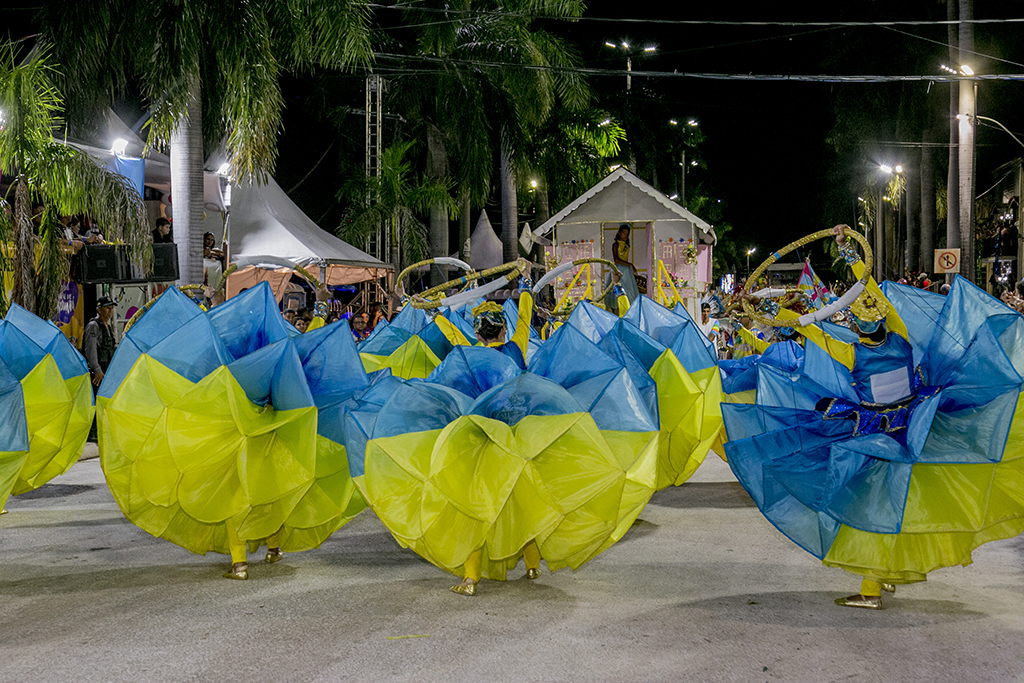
(485, 249)
(266, 223)
(622, 178)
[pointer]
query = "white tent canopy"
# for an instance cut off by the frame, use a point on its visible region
(485, 250)
(267, 228)
(623, 197)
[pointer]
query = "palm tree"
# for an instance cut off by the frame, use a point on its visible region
(395, 199)
(64, 179)
(484, 81)
(569, 154)
(209, 70)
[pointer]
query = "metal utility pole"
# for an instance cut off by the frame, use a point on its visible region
(953, 174)
(965, 160)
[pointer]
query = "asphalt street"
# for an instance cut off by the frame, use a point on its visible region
(702, 588)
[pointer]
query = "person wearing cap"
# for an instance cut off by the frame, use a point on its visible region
(98, 341)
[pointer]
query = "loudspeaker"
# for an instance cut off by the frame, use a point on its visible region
(99, 264)
(165, 262)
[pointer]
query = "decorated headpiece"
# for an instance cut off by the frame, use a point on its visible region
(868, 312)
(489, 312)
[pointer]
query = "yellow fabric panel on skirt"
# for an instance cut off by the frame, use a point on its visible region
(181, 458)
(478, 482)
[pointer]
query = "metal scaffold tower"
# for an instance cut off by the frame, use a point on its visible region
(378, 244)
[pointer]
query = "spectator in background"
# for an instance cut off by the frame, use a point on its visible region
(289, 315)
(162, 231)
(359, 330)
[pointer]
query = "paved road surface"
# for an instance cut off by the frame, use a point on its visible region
(701, 589)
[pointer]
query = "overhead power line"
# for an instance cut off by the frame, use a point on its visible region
(689, 22)
(591, 71)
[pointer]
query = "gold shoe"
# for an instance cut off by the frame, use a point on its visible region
(273, 555)
(3, 512)
(533, 573)
(465, 588)
(864, 601)
(889, 587)
(238, 573)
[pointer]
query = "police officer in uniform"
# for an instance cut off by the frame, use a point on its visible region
(98, 340)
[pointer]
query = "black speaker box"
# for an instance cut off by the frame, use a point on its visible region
(99, 264)
(165, 262)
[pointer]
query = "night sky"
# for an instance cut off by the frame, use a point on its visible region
(767, 153)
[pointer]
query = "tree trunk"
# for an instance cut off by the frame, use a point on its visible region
(966, 150)
(24, 271)
(927, 206)
(910, 207)
(465, 228)
(540, 217)
(187, 190)
(509, 210)
(953, 174)
(437, 169)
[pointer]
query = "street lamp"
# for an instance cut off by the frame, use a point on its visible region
(749, 252)
(625, 47)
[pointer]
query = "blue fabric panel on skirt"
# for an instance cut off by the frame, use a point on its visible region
(834, 377)
(435, 340)
(330, 360)
(527, 394)
(615, 403)
(19, 352)
(473, 370)
(411, 319)
(612, 345)
(966, 310)
(781, 389)
(358, 426)
(170, 311)
(273, 374)
(654, 320)
(249, 321)
(644, 347)
(194, 350)
(919, 309)
(13, 426)
(864, 490)
(559, 358)
(419, 407)
(591, 321)
(738, 375)
(49, 337)
(384, 340)
(681, 311)
(693, 349)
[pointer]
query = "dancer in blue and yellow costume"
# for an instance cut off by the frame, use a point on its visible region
(45, 400)
(894, 448)
(482, 463)
(210, 431)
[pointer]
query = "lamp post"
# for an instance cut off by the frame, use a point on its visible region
(749, 252)
(625, 47)
(966, 161)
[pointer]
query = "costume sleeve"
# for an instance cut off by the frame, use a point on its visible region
(759, 345)
(451, 333)
(623, 302)
(842, 352)
(893, 321)
(90, 344)
(522, 334)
